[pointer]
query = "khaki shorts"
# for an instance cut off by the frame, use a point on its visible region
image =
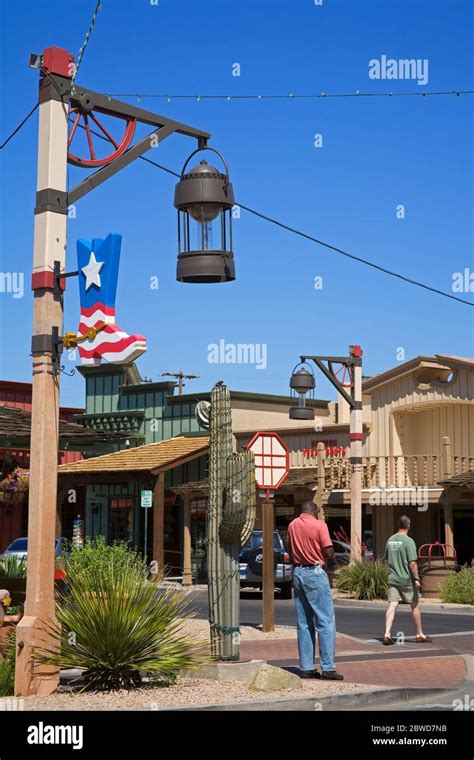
(403, 594)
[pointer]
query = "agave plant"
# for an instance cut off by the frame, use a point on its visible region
(363, 580)
(116, 626)
(12, 566)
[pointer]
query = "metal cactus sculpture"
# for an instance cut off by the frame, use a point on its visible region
(231, 518)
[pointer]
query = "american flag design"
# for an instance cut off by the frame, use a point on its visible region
(98, 264)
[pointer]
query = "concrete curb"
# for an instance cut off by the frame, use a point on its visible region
(469, 660)
(315, 704)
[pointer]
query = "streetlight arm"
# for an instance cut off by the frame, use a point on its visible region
(97, 178)
(319, 361)
(81, 96)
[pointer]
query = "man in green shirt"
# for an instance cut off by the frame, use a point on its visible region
(403, 580)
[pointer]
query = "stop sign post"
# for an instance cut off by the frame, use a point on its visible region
(272, 466)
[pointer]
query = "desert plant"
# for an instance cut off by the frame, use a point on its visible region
(363, 580)
(12, 566)
(7, 666)
(459, 587)
(230, 520)
(96, 555)
(116, 626)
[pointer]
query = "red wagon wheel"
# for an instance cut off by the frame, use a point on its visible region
(120, 147)
(343, 373)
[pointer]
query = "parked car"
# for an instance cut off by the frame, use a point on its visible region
(251, 563)
(19, 547)
(342, 552)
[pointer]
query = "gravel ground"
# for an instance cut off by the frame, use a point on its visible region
(200, 628)
(186, 692)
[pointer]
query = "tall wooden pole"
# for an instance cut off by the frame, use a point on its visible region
(49, 246)
(187, 567)
(447, 463)
(268, 526)
(355, 436)
(159, 522)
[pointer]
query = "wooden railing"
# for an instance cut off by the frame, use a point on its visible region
(413, 470)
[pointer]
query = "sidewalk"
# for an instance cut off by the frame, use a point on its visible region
(433, 665)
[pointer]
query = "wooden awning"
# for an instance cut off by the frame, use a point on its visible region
(149, 459)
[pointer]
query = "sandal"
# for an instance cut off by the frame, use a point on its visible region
(423, 639)
(388, 641)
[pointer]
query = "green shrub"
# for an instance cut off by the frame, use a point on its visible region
(97, 556)
(117, 626)
(7, 666)
(459, 587)
(12, 566)
(363, 580)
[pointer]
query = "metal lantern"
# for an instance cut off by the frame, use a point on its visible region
(302, 382)
(204, 198)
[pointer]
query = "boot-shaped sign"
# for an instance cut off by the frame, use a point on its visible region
(99, 337)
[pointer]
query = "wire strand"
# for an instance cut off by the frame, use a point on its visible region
(17, 129)
(322, 243)
(291, 95)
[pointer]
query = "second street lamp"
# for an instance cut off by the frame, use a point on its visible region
(302, 382)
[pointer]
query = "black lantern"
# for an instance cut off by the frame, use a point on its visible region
(302, 382)
(204, 198)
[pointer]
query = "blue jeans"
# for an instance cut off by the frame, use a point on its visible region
(314, 604)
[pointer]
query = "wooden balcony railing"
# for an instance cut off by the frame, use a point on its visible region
(413, 470)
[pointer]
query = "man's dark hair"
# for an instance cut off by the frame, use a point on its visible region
(404, 522)
(308, 507)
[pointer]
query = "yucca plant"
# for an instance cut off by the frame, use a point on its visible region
(12, 566)
(117, 626)
(363, 580)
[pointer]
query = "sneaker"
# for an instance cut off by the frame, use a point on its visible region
(310, 674)
(331, 675)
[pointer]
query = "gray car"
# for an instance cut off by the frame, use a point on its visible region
(19, 547)
(251, 564)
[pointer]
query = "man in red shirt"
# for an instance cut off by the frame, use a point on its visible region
(311, 549)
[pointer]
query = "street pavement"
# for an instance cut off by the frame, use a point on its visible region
(353, 621)
(362, 659)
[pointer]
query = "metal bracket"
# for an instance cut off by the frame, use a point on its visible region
(51, 200)
(347, 360)
(87, 100)
(58, 276)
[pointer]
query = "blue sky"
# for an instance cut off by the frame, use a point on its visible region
(377, 153)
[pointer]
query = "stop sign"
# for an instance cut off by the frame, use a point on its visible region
(272, 461)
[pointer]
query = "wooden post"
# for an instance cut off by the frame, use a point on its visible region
(159, 521)
(447, 465)
(59, 510)
(321, 476)
(50, 230)
(355, 436)
(268, 522)
(187, 568)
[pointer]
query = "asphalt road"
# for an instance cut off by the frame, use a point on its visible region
(354, 621)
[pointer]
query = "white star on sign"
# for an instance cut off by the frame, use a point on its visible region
(92, 270)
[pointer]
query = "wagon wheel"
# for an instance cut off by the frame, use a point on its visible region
(81, 118)
(343, 373)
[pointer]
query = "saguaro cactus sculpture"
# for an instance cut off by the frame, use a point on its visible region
(231, 518)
